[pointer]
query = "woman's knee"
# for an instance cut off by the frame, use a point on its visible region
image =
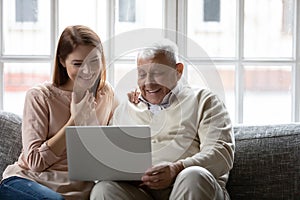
(20, 188)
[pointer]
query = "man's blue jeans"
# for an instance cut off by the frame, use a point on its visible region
(19, 188)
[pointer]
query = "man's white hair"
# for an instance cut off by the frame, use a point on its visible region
(164, 47)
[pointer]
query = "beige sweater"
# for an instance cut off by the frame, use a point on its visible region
(195, 129)
(46, 110)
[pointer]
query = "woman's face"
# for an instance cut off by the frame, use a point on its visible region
(83, 66)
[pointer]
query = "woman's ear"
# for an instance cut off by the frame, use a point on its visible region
(62, 62)
(179, 69)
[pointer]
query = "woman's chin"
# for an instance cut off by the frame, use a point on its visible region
(83, 86)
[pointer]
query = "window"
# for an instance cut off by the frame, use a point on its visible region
(267, 94)
(128, 34)
(18, 78)
(127, 10)
(216, 38)
(26, 11)
(211, 10)
(247, 51)
(253, 52)
(26, 28)
(287, 16)
(26, 49)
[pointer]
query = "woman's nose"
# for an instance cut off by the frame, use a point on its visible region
(86, 69)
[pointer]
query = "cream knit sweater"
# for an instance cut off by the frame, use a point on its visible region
(195, 128)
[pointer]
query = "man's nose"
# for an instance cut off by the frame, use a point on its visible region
(149, 78)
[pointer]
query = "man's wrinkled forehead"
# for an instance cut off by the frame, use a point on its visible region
(154, 66)
(159, 60)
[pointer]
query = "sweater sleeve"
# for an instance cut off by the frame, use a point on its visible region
(35, 131)
(215, 134)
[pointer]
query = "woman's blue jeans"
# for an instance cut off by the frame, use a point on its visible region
(20, 188)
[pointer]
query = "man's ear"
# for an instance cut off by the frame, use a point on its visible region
(179, 69)
(62, 62)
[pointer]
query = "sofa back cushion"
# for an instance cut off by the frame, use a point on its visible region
(267, 162)
(10, 139)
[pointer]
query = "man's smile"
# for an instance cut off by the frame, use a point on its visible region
(151, 91)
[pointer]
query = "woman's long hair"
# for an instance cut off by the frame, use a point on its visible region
(72, 37)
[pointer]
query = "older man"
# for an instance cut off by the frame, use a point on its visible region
(192, 138)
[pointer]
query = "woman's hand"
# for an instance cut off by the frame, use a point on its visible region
(133, 96)
(161, 176)
(82, 109)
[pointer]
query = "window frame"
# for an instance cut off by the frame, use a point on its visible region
(28, 58)
(175, 18)
(239, 61)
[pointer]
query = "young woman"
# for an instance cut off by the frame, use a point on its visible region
(41, 171)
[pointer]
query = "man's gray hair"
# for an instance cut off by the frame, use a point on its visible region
(164, 47)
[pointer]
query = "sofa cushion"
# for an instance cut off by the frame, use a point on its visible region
(267, 162)
(10, 139)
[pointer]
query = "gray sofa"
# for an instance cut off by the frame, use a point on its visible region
(267, 159)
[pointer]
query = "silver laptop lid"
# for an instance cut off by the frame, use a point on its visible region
(108, 152)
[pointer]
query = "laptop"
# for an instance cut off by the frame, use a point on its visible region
(108, 152)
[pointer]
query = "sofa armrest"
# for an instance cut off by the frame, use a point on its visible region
(10, 139)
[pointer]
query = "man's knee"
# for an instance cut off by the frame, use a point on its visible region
(100, 189)
(195, 175)
(194, 183)
(117, 190)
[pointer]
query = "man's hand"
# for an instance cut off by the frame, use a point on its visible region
(161, 176)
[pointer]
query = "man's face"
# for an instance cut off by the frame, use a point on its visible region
(156, 77)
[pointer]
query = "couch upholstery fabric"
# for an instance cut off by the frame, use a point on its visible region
(267, 162)
(266, 166)
(10, 139)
